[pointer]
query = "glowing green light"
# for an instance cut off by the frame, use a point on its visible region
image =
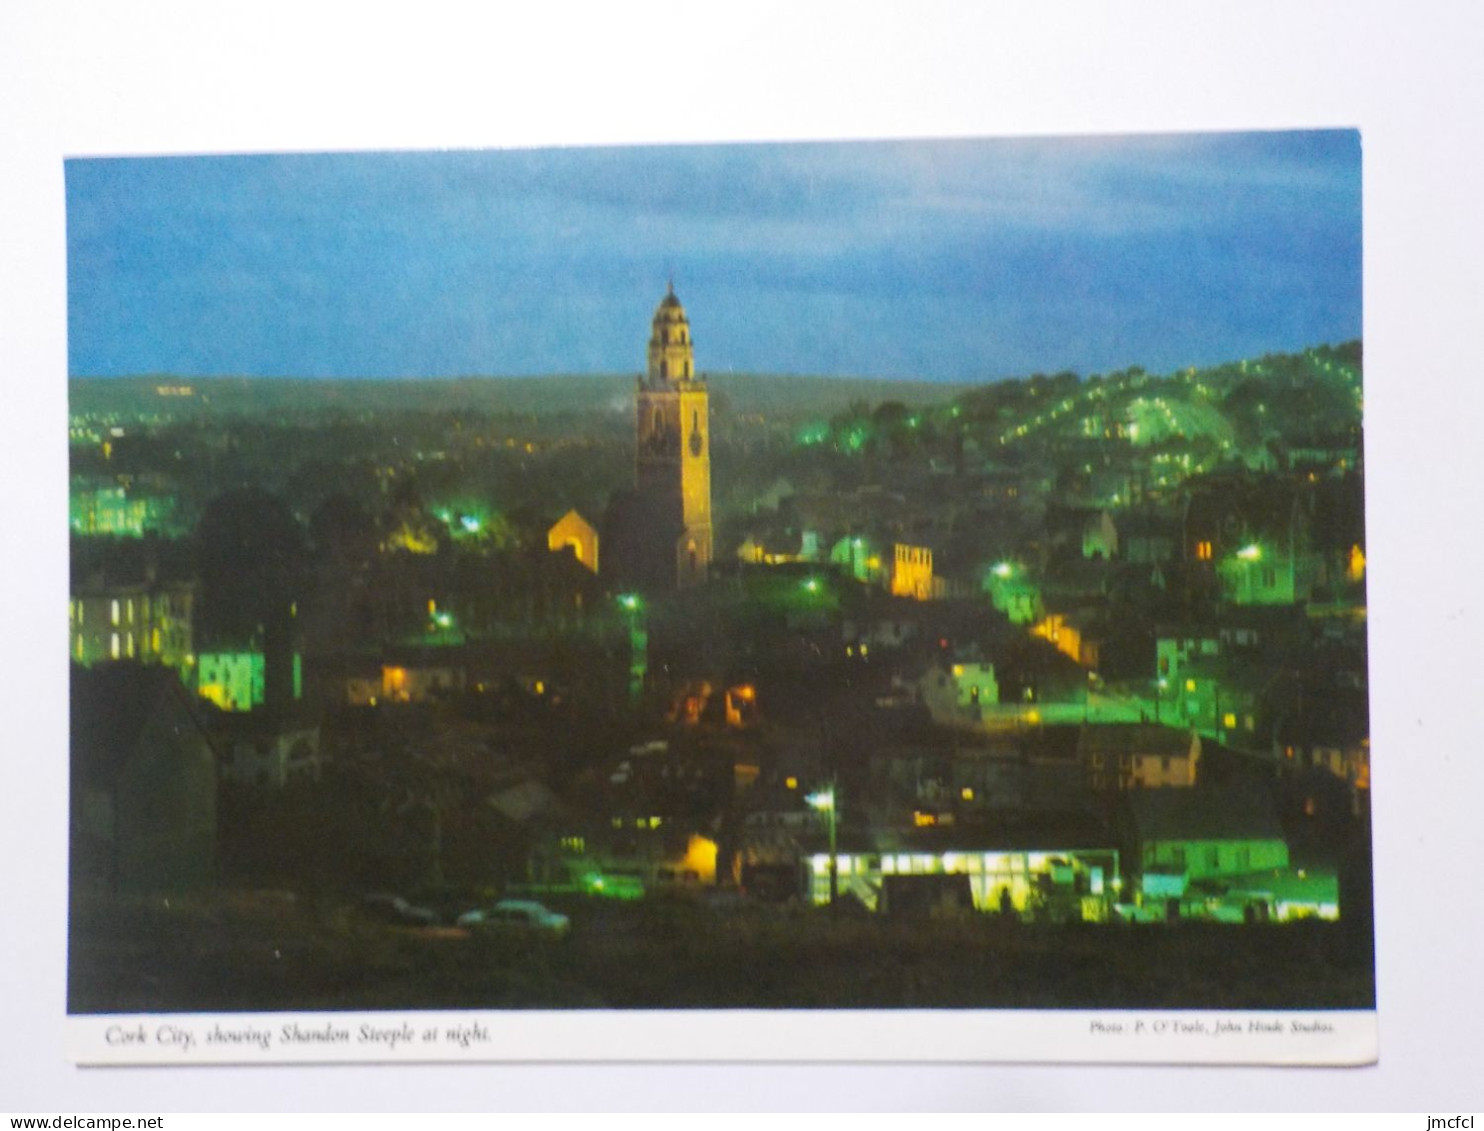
(812, 585)
(824, 800)
(1250, 553)
(814, 434)
(1003, 569)
(469, 523)
(628, 601)
(443, 620)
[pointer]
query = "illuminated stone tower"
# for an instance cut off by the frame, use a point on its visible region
(674, 442)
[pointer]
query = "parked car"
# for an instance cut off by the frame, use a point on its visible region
(517, 917)
(393, 909)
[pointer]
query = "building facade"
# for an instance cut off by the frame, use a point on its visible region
(147, 621)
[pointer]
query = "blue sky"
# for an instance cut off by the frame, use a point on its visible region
(941, 260)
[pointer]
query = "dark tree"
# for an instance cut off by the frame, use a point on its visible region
(251, 557)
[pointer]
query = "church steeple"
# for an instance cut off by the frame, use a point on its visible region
(671, 351)
(673, 439)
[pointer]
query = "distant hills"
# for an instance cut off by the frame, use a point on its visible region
(560, 393)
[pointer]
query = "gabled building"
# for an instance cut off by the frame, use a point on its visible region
(573, 532)
(144, 782)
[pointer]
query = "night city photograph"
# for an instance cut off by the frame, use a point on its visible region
(893, 575)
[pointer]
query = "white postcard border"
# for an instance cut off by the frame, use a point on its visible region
(1193, 1037)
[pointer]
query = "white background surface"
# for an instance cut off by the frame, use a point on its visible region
(90, 79)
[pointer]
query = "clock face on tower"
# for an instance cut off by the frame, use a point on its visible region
(695, 443)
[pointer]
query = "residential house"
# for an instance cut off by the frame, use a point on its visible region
(1207, 832)
(1133, 756)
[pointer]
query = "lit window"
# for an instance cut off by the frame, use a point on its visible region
(1190, 685)
(113, 645)
(1228, 720)
(114, 611)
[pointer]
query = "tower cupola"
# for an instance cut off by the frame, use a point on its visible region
(671, 351)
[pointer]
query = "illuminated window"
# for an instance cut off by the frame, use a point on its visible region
(1190, 685)
(1228, 720)
(1203, 551)
(113, 644)
(114, 611)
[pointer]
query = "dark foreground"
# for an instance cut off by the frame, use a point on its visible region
(267, 952)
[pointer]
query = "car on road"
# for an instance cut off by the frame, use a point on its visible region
(517, 917)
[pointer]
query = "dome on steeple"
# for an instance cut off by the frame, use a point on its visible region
(671, 354)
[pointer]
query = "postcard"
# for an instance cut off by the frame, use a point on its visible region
(895, 600)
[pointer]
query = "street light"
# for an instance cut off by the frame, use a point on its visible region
(824, 801)
(633, 607)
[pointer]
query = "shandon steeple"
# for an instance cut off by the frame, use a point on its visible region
(673, 435)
